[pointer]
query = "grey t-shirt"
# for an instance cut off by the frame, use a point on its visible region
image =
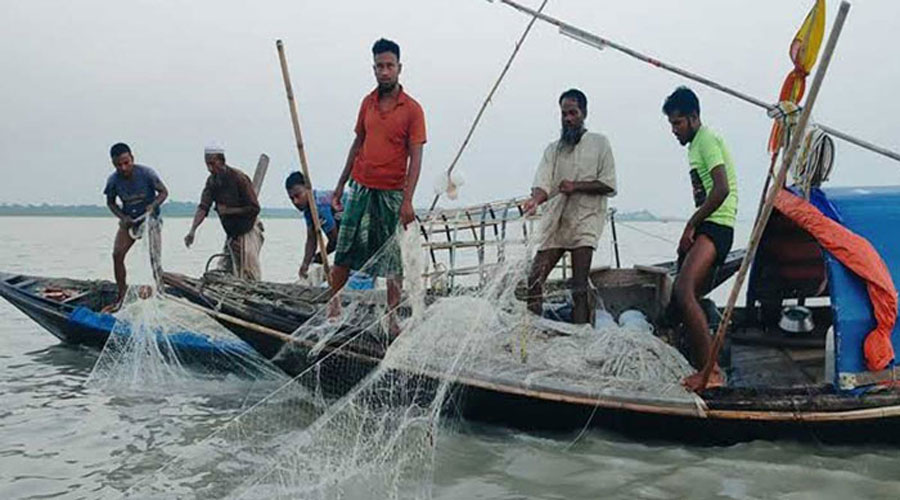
(136, 193)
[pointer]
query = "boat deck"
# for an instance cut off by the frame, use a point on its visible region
(762, 366)
(767, 356)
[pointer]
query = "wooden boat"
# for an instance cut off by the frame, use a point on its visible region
(70, 310)
(776, 386)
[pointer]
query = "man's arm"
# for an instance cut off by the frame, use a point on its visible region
(543, 180)
(206, 199)
(605, 185)
(407, 213)
(199, 216)
(309, 250)
(714, 200)
(586, 187)
(345, 174)
(538, 196)
(332, 239)
(161, 194)
(117, 211)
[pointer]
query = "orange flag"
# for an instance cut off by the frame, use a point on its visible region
(804, 51)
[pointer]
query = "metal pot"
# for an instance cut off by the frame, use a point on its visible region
(796, 319)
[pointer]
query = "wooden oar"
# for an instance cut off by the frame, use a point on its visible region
(295, 121)
(259, 175)
(777, 185)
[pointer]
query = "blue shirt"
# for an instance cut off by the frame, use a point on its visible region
(136, 192)
(327, 218)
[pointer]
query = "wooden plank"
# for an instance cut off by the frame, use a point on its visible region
(652, 269)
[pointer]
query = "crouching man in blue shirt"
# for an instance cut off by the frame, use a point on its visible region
(330, 220)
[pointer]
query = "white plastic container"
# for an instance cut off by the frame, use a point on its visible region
(633, 319)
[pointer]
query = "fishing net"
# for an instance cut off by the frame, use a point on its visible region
(158, 346)
(363, 415)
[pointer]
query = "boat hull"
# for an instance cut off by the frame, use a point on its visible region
(720, 416)
(75, 320)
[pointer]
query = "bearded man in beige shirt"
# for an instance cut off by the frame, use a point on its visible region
(576, 175)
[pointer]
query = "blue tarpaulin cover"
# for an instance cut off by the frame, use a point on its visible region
(874, 214)
(182, 341)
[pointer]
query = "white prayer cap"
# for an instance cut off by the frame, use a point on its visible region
(213, 148)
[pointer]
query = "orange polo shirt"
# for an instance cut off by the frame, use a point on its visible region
(381, 162)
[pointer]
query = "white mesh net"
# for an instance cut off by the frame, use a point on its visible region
(160, 347)
(362, 417)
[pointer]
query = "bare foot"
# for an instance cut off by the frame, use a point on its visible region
(694, 383)
(112, 308)
(393, 327)
(334, 308)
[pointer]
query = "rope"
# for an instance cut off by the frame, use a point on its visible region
(487, 101)
(814, 164)
(601, 43)
(646, 233)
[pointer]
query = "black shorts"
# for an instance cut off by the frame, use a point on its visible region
(721, 236)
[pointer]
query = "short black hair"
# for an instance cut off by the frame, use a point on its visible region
(683, 101)
(118, 149)
(293, 179)
(383, 45)
(576, 95)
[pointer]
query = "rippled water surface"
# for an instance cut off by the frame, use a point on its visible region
(60, 439)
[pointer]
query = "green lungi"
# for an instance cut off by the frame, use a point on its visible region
(366, 239)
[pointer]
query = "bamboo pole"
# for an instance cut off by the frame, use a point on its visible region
(487, 101)
(860, 142)
(600, 43)
(775, 188)
(295, 121)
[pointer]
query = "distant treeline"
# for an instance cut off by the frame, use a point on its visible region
(186, 209)
(169, 209)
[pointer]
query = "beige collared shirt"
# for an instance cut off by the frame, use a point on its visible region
(575, 220)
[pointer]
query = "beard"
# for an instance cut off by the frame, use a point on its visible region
(571, 136)
(386, 88)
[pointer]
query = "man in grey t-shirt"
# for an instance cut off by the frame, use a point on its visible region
(141, 192)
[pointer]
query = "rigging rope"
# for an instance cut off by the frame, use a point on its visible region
(646, 233)
(487, 101)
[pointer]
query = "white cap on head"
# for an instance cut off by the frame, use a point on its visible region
(213, 148)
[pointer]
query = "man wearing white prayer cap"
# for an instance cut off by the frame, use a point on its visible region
(238, 207)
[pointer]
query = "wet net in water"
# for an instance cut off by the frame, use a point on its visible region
(159, 346)
(362, 417)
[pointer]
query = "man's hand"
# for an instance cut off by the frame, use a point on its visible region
(530, 206)
(189, 239)
(336, 199)
(302, 273)
(126, 221)
(566, 187)
(687, 239)
(407, 214)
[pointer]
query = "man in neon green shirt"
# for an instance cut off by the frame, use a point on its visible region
(708, 235)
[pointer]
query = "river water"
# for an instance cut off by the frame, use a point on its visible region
(61, 439)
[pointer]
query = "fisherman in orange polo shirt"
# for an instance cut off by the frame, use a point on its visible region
(383, 168)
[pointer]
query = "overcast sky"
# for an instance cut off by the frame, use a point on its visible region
(168, 77)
